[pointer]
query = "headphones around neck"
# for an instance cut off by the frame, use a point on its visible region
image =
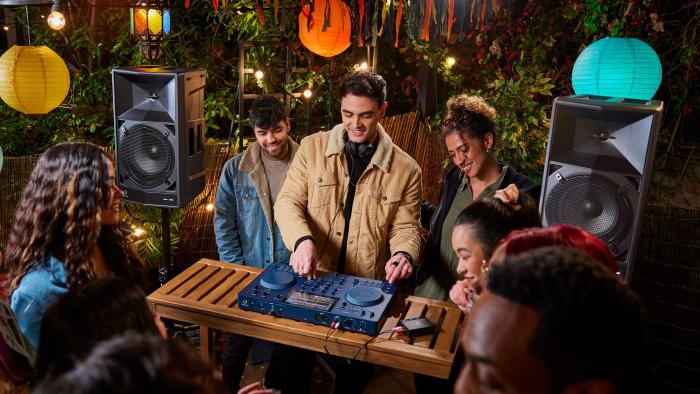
(362, 151)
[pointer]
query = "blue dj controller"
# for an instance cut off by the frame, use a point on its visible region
(351, 303)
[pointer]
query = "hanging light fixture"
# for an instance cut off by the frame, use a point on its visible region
(150, 23)
(56, 19)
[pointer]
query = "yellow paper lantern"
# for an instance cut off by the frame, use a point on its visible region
(33, 79)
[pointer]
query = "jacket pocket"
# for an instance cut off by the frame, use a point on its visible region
(388, 204)
(248, 209)
(323, 189)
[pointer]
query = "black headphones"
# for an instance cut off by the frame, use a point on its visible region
(363, 150)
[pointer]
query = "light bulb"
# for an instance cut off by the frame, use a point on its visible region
(363, 66)
(138, 231)
(259, 75)
(6, 28)
(307, 93)
(450, 61)
(56, 20)
(209, 207)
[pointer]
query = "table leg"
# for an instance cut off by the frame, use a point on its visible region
(205, 342)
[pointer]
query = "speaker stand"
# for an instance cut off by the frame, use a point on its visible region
(166, 266)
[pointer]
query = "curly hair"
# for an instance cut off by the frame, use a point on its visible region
(59, 213)
(591, 324)
(469, 116)
(492, 220)
(266, 111)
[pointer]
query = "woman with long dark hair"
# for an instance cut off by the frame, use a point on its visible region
(469, 132)
(66, 231)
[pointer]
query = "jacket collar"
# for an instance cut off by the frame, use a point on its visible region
(251, 156)
(382, 156)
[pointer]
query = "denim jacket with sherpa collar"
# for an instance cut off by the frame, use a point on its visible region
(244, 225)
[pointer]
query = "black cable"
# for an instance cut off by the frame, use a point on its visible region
(325, 340)
(367, 342)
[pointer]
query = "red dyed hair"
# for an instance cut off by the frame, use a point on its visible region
(520, 241)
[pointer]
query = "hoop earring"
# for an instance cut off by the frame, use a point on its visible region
(484, 266)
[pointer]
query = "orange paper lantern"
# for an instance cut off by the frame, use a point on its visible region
(336, 37)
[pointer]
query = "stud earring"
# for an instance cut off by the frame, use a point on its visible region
(484, 266)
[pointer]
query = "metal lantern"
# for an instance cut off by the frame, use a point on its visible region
(150, 23)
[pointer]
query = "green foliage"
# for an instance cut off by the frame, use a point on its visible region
(520, 61)
(150, 242)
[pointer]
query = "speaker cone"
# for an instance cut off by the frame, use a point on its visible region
(146, 155)
(592, 203)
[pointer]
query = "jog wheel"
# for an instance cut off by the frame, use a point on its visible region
(364, 296)
(277, 280)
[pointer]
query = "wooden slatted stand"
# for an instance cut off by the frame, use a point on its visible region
(206, 294)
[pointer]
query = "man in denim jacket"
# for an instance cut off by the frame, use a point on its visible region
(244, 222)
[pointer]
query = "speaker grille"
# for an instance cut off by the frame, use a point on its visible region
(146, 155)
(592, 203)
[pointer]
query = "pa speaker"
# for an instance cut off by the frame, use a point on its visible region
(598, 166)
(159, 134)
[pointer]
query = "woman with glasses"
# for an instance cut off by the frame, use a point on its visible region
(470, 136)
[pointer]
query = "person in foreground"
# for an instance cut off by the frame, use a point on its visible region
(83, 317)
(66, 232)
(135, 364)
(553, 320)
(248, 188)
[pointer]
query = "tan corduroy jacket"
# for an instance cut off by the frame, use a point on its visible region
(385, 214)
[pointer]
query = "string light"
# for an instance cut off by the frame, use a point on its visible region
(307, 93)
(450, 61)
(259, 75)
(363, 66)
(138, 231)
(209, 207)
(6, 28)
(56, 20)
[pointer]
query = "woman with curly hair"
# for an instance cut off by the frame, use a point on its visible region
(66, 231)
(469, 132)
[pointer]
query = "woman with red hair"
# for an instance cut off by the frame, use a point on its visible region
(524, 240)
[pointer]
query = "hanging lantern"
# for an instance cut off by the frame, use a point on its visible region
(326, 30)
(150, 23)
(617, 67)
(33, 79)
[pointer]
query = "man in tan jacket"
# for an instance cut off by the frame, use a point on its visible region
(351, 199)
(350, 203)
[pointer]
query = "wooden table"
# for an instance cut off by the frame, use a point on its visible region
(206, 294)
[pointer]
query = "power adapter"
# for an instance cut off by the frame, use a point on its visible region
(417, 326)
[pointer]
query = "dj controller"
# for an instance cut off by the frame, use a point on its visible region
(334, 300)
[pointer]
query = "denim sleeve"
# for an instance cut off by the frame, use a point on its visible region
(28, 311)
(225, 218)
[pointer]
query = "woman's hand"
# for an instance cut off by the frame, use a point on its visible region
(509, 195)
(255, 388)
(462, 293)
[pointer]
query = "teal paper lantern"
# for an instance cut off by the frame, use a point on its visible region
(617, 67)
